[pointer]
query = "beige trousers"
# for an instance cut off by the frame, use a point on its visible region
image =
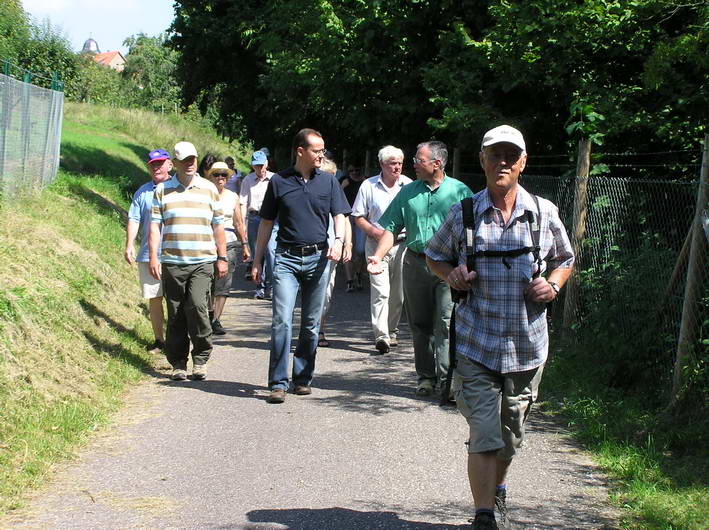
(386, 290)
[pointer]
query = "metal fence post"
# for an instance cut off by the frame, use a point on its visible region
(583, 165)
(690, 325)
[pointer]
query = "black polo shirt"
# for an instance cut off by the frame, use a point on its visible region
(301, 207)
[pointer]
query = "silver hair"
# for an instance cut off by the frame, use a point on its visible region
(388, 152)
(437, 150)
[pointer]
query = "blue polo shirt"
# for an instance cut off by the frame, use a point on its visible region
(302, 208)
(139, 211)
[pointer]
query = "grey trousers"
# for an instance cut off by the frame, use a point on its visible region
(428, 304)
(186, 289)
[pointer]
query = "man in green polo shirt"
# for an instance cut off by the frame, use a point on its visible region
(420, 208)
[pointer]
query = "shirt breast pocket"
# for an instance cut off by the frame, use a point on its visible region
(321, 202)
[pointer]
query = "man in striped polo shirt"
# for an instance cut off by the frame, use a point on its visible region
(188, 208)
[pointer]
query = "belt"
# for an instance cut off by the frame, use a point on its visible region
(303, 250)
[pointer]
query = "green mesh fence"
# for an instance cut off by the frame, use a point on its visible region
(30, 135)
(632, 272)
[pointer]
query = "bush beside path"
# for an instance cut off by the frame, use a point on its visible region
(361, 452)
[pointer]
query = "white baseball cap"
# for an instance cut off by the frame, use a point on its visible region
(184, 149)
(503, 133)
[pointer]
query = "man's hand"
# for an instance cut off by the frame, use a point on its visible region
(374, 265)
(222, 268)
(155, 269)
(245, 253)
(129, 255)
(539, 290)
(460, 278)
(334, 253)
(347, 253)
(256, 271)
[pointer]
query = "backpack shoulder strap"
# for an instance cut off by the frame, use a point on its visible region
(535, 228)
(469, 224)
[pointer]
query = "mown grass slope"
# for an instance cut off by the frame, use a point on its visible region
(73, 328)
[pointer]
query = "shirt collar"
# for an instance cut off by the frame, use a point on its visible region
(523, 202)
(291, 172)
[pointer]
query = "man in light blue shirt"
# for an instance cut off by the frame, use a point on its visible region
(159, 166)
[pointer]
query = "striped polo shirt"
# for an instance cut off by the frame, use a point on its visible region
(187, 215)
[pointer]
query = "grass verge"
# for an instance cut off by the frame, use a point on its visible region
(73, 327)
(659, 465)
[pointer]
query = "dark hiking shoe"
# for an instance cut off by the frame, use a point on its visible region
(156, 347)
(382, 346)
(484, 521)
(217, 328)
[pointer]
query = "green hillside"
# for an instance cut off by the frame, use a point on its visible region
(73, 328)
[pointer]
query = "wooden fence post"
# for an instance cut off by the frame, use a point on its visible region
(456, 163)
(583, 165)
(690, 319)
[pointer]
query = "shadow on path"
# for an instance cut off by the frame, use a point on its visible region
(335, 519)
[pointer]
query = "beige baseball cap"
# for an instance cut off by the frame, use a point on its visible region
(184, 149)
(503, 133)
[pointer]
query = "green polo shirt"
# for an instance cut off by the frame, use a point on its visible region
(422, 210)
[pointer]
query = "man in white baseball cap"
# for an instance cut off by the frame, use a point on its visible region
(521, 258)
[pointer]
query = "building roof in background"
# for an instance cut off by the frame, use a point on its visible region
(90, 46)
(113, 59)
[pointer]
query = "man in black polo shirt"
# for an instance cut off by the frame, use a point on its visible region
(301, 198)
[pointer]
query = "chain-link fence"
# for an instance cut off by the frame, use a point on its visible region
(30, 135)
(630, 301)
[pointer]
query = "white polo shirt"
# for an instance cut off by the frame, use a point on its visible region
(374, 197)
(253, 191)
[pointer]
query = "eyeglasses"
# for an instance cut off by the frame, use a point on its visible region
(220, 176)
(508, 156)
(319, 152)
(422, 161)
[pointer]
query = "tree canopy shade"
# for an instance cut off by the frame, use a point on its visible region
(627, 72)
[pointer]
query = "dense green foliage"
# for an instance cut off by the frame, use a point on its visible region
(148, 80)
(368, 73)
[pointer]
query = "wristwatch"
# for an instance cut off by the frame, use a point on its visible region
(555, 287)
(224, 258)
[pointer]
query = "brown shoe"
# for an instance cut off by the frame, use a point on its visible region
(278, 395)
(302, 390)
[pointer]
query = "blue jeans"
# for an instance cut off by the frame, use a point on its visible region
(269, 252)
(311, 275)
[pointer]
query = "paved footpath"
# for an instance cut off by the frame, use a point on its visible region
(362, 452)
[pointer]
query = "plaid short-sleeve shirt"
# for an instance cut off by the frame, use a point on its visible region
(496, 326)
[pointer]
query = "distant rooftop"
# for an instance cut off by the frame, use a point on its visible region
(113, 60)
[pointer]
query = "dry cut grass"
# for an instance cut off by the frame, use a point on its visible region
(72, 331)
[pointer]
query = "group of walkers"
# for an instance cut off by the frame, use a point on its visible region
(487, 262)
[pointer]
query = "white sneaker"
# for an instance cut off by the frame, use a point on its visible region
(178, 374)
(199, 372)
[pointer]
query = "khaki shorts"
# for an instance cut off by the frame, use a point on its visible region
(495, 405)
(151, 287)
